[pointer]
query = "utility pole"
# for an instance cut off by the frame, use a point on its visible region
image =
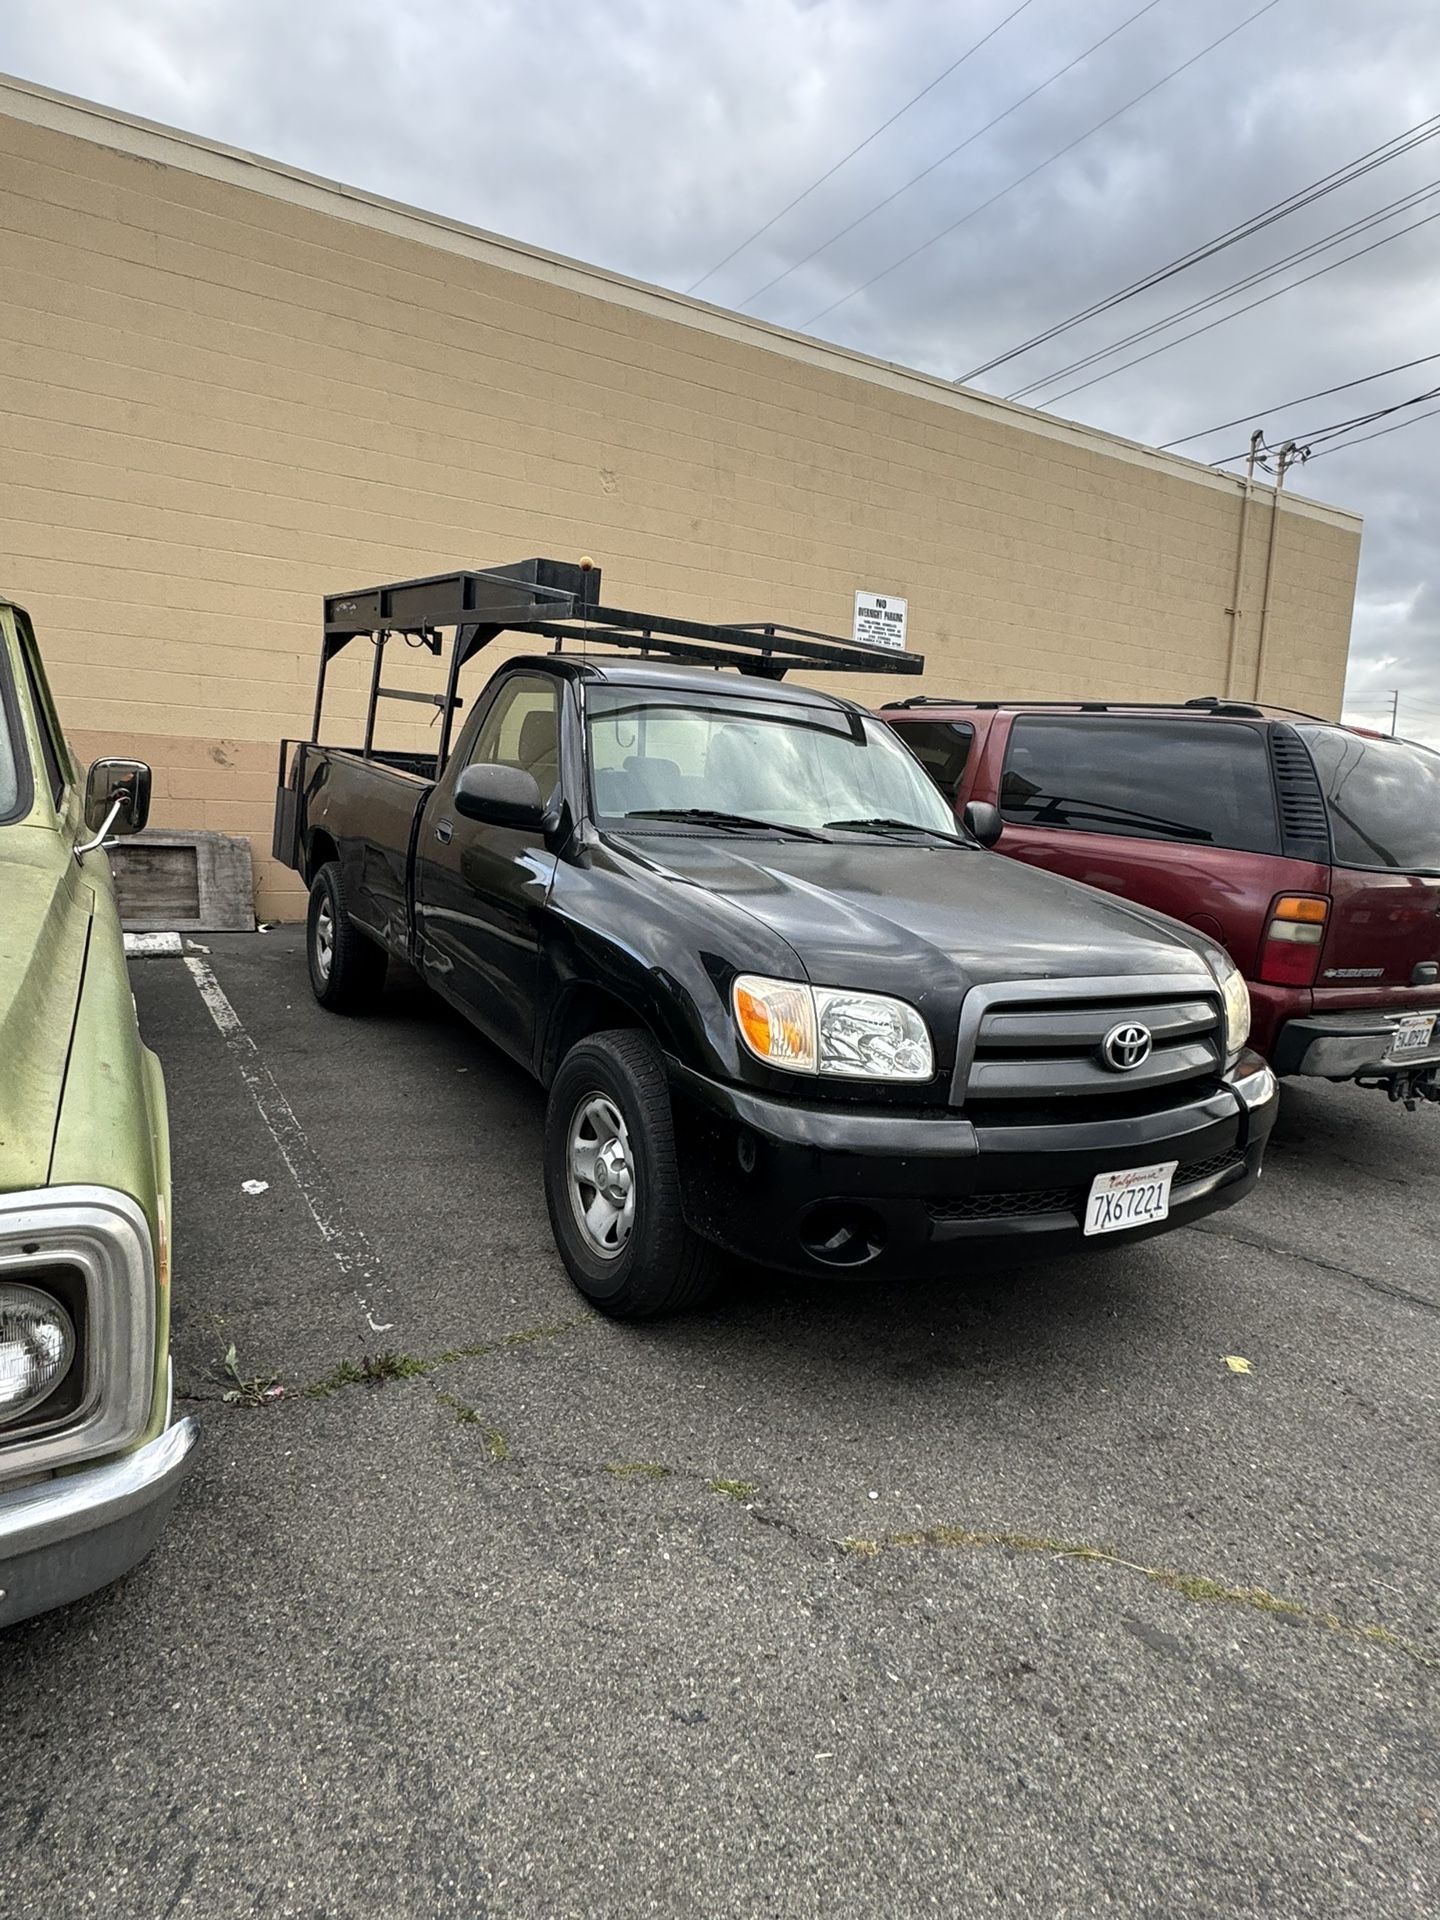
(1286, 457)
(1394, 710)
(1237, 592)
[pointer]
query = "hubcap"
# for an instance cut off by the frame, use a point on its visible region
(601, 1175)
(324, 940)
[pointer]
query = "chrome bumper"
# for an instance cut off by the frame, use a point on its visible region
(1341, 1046)
(65, 1537)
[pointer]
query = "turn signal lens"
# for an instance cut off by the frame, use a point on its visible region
(856, 1036)
(776, 1019)
(1290, 956)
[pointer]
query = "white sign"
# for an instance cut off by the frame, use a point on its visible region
(880, 620)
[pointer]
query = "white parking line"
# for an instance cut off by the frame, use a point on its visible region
(353, 1253)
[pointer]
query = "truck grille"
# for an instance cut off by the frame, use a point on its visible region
(1045, 1200)
(1029, 1043)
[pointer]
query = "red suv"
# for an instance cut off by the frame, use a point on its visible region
(1310, 851)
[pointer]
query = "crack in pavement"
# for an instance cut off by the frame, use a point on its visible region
(1199, 1589)
(1288, 1251)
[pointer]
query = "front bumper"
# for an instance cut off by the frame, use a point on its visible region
(1349, 1046)
(814, 1189)
(65, 1537)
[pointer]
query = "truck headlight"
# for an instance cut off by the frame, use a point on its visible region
(856, 1036)
(37, 1346)
(1237, 1003)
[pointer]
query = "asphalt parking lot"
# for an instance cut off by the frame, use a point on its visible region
(1005, 1596)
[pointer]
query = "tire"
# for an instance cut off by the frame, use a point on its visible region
(653, 1263)
(347, 971)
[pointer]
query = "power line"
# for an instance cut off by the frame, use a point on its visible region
(1220, 321)
(1399, 424)
(969, 140)
(1307, 441)
(1059, 154)
(1311, 249)
(1398, 144)
(846, 158)
(1282, 405)
(1321, 434)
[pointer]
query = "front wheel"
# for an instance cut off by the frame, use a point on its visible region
(612, 1184)
(347, 971)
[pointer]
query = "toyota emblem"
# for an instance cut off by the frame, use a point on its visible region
(1126, 1047)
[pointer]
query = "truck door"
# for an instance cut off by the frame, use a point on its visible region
(479, 889)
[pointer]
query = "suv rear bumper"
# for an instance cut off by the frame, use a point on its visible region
(64, 1537)
(1344, 1046)
(912, 1194)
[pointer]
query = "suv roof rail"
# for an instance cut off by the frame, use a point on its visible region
(1206, 703)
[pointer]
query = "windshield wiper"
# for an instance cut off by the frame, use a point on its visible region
(878, 823)
(716, 817)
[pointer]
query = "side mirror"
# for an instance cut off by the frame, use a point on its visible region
(117, 797)
(500, 796)
(983, 822)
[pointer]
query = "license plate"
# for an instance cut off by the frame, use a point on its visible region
(1138, 1197)
(1413, 1034)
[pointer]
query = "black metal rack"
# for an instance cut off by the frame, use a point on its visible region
(560, 600)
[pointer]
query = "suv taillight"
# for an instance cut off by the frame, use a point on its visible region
(1290, 955)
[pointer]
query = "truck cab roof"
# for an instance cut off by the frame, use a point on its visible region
(619, 670)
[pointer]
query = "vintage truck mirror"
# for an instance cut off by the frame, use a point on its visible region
(983, 821)
(117, 797)
(500, 796)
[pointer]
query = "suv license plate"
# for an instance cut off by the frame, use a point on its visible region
(1138, 1197)
(1413, 1034)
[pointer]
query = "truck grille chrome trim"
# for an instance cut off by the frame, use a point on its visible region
(1045, 1039)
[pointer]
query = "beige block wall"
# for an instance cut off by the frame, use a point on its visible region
(226, 389)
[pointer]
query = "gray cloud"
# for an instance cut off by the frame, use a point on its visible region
(652, 138)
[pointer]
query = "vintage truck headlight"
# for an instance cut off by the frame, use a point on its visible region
(857, 1036)
(1237, 1002)
(37, 1347)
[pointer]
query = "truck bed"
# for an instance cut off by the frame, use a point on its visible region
(335, 803)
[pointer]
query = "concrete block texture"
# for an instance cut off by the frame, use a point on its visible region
(227, 388)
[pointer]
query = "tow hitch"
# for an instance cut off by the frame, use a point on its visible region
(1415, 1089)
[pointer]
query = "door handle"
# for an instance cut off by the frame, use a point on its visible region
(444, 829)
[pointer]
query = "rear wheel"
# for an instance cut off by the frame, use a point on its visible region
(612, 1184)
(347, 971)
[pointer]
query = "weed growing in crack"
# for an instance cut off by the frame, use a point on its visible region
(741, 1490)
(1195, 1587)
(253, 1390)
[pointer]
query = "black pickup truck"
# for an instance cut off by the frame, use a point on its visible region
(783, 1003)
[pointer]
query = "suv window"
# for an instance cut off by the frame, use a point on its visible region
(942, 747)
(1203, 782)
(1383, 797)
(522, 729)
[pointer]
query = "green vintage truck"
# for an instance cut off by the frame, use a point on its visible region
(90, 1457)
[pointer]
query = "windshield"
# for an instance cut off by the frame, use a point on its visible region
(1384, 800)
(752, 762)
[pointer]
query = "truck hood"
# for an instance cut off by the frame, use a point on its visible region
(45, 909)
(891, 915)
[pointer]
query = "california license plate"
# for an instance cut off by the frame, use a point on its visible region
(1413, 1034)
(1138, 1197)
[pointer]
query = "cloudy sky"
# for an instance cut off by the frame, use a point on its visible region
(657, 138)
